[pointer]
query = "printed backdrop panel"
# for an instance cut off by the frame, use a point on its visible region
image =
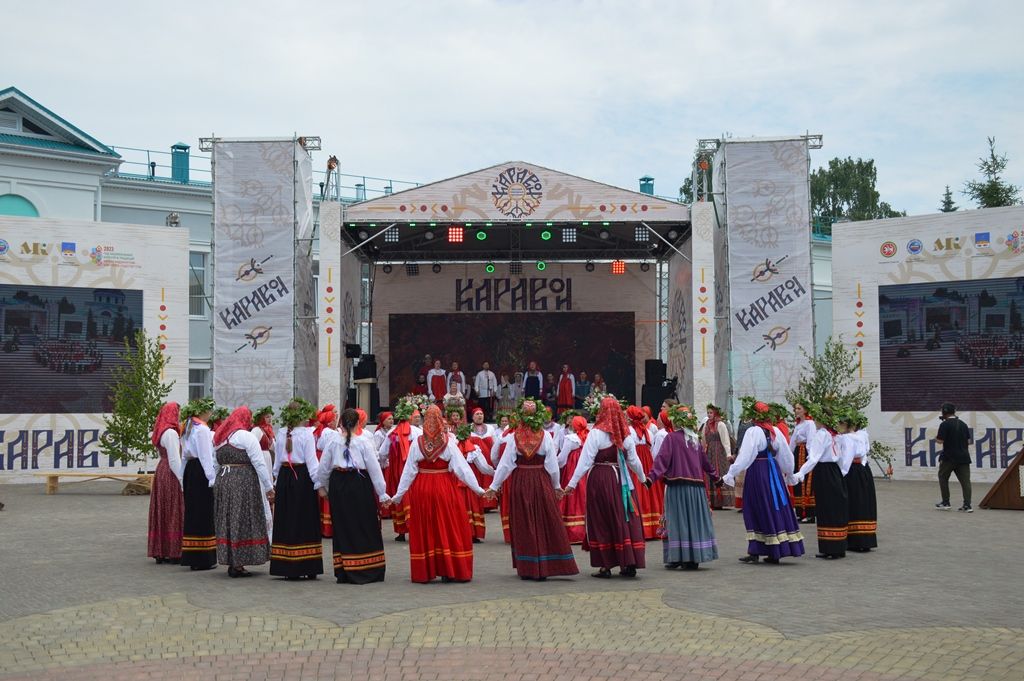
(933, 307)
(66, 306)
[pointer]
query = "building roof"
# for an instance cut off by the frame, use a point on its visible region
(66, 137)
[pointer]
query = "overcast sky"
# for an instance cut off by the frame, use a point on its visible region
(425, 90)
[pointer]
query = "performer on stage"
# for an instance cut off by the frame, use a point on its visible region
(482, 436)
(772, 530)
(582, 390)
(860, 486)
(327, 417)
(199, 540)
(506, 393)
(599, 385)
(650, 500)
(574, 506)
(458, 376)
(533, 382)
(296, 549)
(263, 430)
(166, 504)
(830, 464)
(242, 482)
(714, 436)
(392, 454)
(803, 492)
(615, 536)
(566, 398)
(689, 535)
(540, 546)
(485, 387)
(454, 399)
(437, 382)
(440, 538)
(351, 478)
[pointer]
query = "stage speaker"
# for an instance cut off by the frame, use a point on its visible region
(366, 368)
(353, 350)
(654, 372)
(350, 399)
(653, 395)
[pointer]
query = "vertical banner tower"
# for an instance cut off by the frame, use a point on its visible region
(264, 326)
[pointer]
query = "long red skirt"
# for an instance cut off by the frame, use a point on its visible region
(574, 506)
(474, 511)
(506, 489)
(540, 546)
(392, 476)
(166, 513)
(651, 502)
(440, 538)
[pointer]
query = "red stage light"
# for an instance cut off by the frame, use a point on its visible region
(618, 267)
(455, 234)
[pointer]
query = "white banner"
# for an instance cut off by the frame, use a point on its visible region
(766, 186)
(260, 207)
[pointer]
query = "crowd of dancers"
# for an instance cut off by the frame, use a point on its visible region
(68, 356)
(991, 352)
(230, 490)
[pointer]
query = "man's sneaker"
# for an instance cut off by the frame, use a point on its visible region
(966, 508)
(943, 506)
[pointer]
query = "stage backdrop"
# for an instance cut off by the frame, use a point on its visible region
(933, 307)
(560, 315)
(338, 306)
(66, 306)
(264, 332)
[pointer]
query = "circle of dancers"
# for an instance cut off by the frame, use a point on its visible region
(232, 490)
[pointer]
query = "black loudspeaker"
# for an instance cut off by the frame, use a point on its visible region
(350, 400)
(653, 395)
(654, 372)
(366, 368)
(353, 350)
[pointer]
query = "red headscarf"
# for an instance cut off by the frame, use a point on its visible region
(527, 439)
(611, 420)
(169, 417)
(475, 411)
(650, 414)
(579, 426)
(362, 422)
(240, 419)
(666, 421)
(762, 420)
(384, 416)
(323, 419)
(435, 434)
(636, 417)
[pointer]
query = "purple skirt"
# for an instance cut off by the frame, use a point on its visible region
(772, 529)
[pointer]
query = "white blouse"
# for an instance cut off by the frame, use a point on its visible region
(753, 442)
(456, 465)
(496, 447)
(361, 457)
(171, 442)
(247, 442)
(598, 440)
(863, 441)
(824, 448)
(659, 438)
(803, 432)
(508, 461)
(303, 451)
(384, 449)
(572, 441)
(199, 445)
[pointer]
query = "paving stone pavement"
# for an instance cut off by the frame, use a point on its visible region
(938, 600)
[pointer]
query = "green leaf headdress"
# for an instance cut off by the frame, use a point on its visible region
(683, 416)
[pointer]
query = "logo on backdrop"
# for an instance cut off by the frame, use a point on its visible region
(774, 338)
(259, 298)
(915, 246)
(1015, 242)
(778, 298)
(982, 239)
(35, 248)
(947, 244)
(764, 271)
(255, 338)
(517, 192)
(252, 269)
(527, 294)
(4, 247)
(888, 249)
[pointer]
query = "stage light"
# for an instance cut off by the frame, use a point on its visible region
(541, 265)
(488, 224)
(569, 235)
(489, 268)
(604, 234)
(672, 235)
(363, 235)
(590, 266)
(585, 224)
(515, 267)
(529, 224)
(387, 269)
(373, 224)
(548, 224)
(469, 224)
(455, 234)
(606, 223)
(618, 267)
(428, 235)
(546, 235)
(391, 236)
(412, 224)
(640, 233)
(436, 268)
(412, 269)
(481, 235)
(645, 267)
(433, 224)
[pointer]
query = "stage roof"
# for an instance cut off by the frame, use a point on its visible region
(515, 211)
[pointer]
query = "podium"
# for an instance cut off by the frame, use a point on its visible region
(364, 394)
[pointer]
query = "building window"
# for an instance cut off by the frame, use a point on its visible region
(18, 206)
(197, 284)
(197, 386)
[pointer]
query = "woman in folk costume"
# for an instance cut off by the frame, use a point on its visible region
(166, 504)
(574, 506)
(651, 500)
(242, 482)
(666, 427)
(199, 541)
(860, 487)
(533, 382)
(296, 549)
(217, 417)
(803, 494)
(772, 530)
(469, 447)
(440, 538)
(482, 436)
(830, 463)
(437, 382)
(326, 418)
(263, 430)
(614, 533)
(385, 421)
(714, 435)
(505, 427)
(682, 463)
(566, 396)
(393, 453)
(652, 425)
(506, 392)
(540, 545)
(351, 478)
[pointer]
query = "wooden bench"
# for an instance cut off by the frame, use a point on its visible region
(142, 480)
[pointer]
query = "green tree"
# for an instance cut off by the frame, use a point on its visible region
(827, 378)
(686, 191)
(846, 190)
(138, 393)
(992, 191)
(947, 202)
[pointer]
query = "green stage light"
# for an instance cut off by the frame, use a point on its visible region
(490, 268)
(373, 224)
(433, 224)
(412, 224)
(585, 224)
(487, 224)
(469, 224)
(548, 224)
(606, 223)
(546, 235)
(529, 224)
(541, 265)
(481, 235)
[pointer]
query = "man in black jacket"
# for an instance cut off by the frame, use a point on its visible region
(955, 458)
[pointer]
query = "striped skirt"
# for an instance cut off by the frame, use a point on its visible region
(690, 536)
